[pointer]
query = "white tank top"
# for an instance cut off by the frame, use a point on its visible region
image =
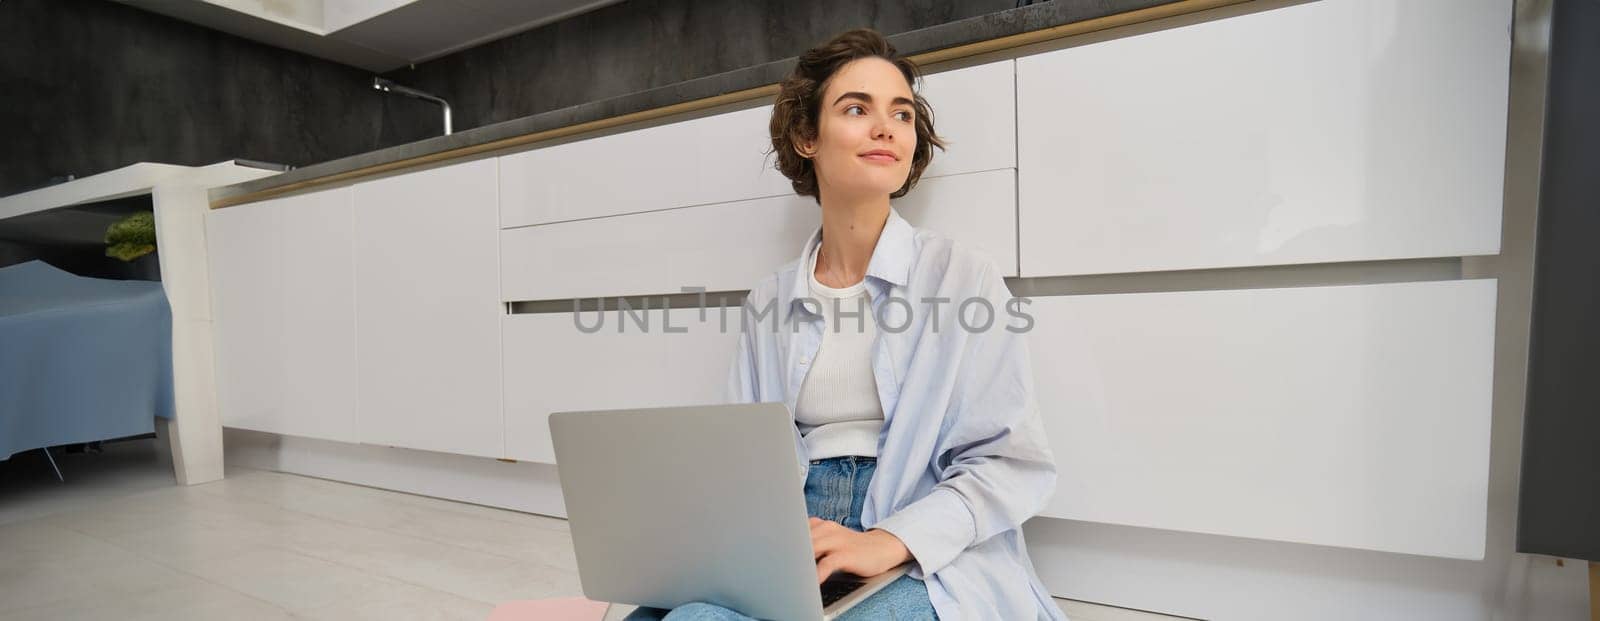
(838, 412)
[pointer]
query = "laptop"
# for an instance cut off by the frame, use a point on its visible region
(704, 503)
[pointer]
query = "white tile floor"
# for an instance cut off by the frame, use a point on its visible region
(119, 539)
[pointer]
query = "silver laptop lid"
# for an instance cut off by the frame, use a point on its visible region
(700, 503)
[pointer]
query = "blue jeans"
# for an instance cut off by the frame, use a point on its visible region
(836, 488)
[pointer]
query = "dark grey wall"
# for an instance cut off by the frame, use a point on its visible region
(87, 86)
(92, 85)
(1559, 509)
(643, 44)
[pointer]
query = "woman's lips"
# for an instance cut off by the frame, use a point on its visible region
(880, 157)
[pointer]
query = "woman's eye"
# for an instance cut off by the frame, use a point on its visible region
(904, 115)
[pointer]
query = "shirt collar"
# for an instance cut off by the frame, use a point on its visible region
(890, 263)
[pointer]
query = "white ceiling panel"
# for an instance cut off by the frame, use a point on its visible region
(420, 30)
(340, 14)
(377, 35)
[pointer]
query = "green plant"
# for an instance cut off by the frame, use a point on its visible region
(132, 237)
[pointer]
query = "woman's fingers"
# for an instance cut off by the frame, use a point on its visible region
(824, 543)
(825, 567)
(844, 559)
(832, 549)
(822, 534)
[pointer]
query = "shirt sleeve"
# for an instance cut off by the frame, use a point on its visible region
(741, 385)
(744, 384)
(995, 468)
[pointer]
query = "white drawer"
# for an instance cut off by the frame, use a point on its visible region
(730, 246)
(723, 158)
(975, 110)
(1341, 130)
(705, 160)
(1351, 416)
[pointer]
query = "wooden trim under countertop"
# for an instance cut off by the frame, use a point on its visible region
(1594, 591)
(1182, 7)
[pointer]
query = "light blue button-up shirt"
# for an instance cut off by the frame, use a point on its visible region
(962, 457)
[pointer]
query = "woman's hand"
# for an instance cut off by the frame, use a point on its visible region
(867, 554)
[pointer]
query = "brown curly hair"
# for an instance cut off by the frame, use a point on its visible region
(797, 106)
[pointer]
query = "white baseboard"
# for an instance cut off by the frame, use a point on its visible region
(520, 486)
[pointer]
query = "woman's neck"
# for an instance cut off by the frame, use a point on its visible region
(849, 235)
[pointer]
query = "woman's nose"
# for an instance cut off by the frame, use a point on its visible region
(881, 129)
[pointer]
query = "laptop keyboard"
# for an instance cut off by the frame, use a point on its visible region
(839, 585)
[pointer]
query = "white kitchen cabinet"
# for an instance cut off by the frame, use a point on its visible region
(284, 315)
(731, 246)
(1353, 416)
(978, 209)
(709, 159)
(723, 158)
(721, 247)
(428, 310)
(974, 110)
(1340, 130)
(552, 366)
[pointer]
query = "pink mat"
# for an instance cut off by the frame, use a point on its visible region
(557, 609)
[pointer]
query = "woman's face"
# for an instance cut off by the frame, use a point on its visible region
(866, 131)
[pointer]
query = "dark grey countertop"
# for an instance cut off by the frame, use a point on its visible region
(992, 26)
